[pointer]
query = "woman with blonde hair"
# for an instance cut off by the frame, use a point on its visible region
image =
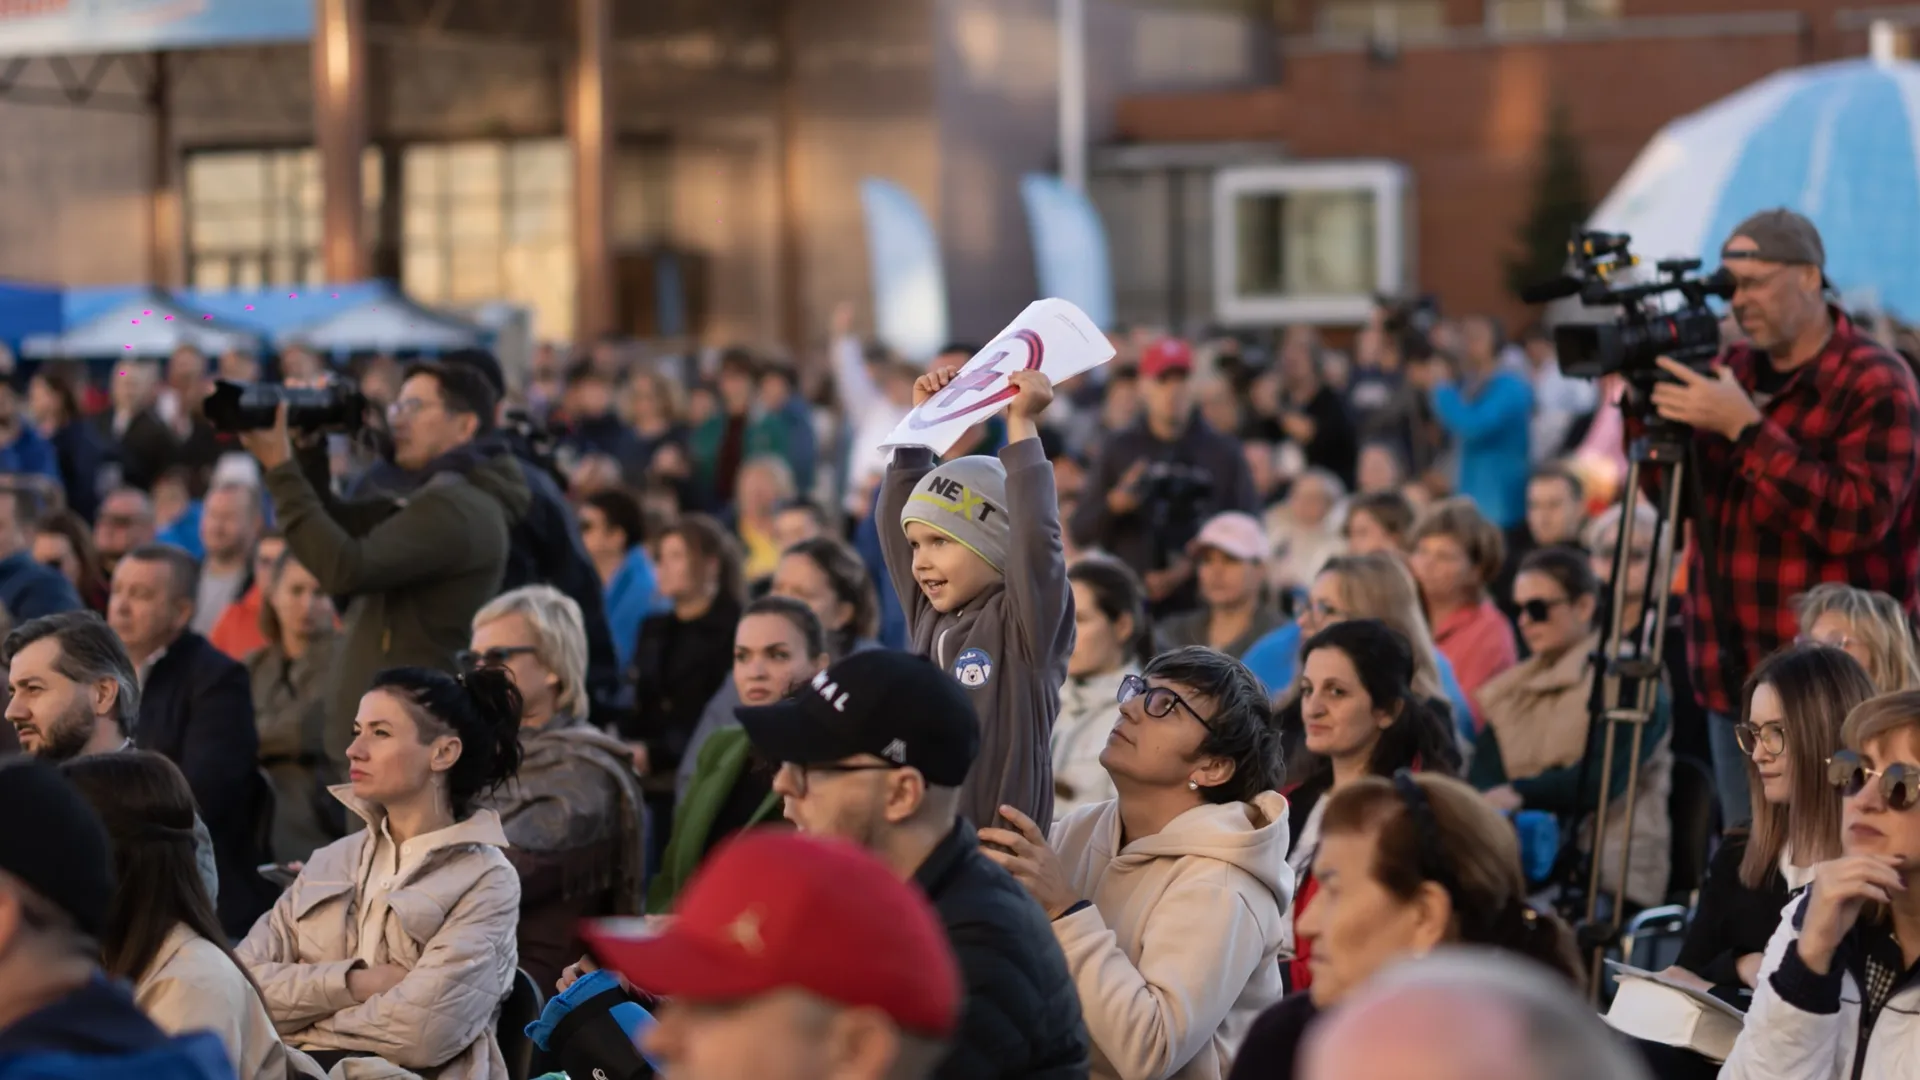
(573, 811)
(1868, 626)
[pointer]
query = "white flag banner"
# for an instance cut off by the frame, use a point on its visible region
(1052, 336)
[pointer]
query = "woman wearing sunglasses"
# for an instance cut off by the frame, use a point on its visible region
(1170, 900)
(1538, 732)
(1361, 718)
(1838, 995)
(573, 813)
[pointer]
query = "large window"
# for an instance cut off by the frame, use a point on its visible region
(492, 220)
(1308, 242)
(1548, 16)
(1382, 18)
(253, 216)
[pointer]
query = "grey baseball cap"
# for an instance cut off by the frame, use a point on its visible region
(1779, 235)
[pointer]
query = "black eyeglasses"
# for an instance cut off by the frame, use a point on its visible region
(1538, 610)
(494, 657)
(1772, 737)
(1899, 784)
(800, 771)
(1160, 700)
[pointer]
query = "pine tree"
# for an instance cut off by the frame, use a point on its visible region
(1560, 205)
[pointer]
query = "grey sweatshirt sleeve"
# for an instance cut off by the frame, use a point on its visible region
(910, 463)
(1038, 596)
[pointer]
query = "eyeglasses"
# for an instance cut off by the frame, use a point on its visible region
(494, 657)
(1537, 610)
(1771, 737)
(800, 771)
(407, 406)
(1899, 784)
(1159, 700)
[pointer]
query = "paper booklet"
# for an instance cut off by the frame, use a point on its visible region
(1651, 1006)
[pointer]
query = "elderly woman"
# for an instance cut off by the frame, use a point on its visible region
(1868, 626)
(1305, 529)
(573, 812)
(289, 682)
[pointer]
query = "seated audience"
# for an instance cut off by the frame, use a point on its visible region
(1170, 900)
(1359, 715)
(1405, 866)
(1539, 750)
(1379, 469)
(1869, 626)
(796, 522)
(764, 485)
(288, 678)
(777, 648)
(53, 401)
(849, 974)
(1462, 1014)
(1456, 555)
(572, 814)
(230, 522)
(161, 933)
(397, 941)
(1109, 645)
(1556, 517)
(1305, 529)
(1835, 998)
(874, 751)
(237, 633)
(1378, 521)
(614, 532)
(60, 1015)
(196, 707)
(28, 588)
(1229, 557)
(63, 541)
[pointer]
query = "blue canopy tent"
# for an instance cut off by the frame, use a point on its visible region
(130, 320)
(365, 316)
(29, 309)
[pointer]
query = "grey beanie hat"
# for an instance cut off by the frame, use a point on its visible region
(967, 499)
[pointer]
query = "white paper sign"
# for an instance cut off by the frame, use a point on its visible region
(1051, 335)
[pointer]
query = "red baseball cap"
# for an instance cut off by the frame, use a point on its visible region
(1165, 355)
(772, 910)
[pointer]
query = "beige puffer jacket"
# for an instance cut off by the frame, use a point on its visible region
(450, 922)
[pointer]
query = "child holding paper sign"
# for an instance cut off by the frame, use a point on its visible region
(978, 565)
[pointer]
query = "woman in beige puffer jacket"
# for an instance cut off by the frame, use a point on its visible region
(391, 953)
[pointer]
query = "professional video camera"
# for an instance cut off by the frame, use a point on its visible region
(1644, 331)
(1411, 320)
(236, 406)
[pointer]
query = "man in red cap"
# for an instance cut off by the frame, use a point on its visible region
(793, 958)
(1162, 478)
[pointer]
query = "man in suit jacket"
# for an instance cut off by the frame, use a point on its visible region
(196, 707)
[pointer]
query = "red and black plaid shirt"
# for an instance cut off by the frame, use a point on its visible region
(1822, 489)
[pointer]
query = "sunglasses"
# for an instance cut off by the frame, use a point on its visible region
(1538, 610)
(1159, 701)
(1772, 737)
(1899, 784)
(494, 657)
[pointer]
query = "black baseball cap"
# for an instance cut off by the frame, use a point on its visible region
(64, 855)
(890, 704)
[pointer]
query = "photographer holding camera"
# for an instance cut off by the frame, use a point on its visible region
(416, 569)
(1808, 440)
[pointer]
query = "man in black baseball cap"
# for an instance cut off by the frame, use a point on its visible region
(874, 750)
(59, 1016)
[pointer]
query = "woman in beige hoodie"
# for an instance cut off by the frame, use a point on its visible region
(162, 934)
(1171, 901)
(392, 951)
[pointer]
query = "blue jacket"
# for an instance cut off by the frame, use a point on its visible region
(30, 452)
(30, 590)
(1275, 661)
(184, 532)
(1492, 427)
(98, 1033)
(632, 595)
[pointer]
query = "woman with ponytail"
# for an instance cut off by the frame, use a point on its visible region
(1110, 642)
(162, 934)
(397, 942)
(1406, 864)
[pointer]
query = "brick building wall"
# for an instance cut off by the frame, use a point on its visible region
(1466, 111)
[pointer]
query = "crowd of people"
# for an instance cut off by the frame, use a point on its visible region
(1202, 716)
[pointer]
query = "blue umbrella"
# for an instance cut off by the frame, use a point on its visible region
(1835, 141)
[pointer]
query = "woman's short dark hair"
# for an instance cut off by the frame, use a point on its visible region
(79, 537)
(622, 512)
(1390, 508)
(847, 575)
(148, 810)
(812, 635)
(1420, 736)
(1241, 728)
(1117, 592)
(708, 539)
(481, 707)
(1569, 569)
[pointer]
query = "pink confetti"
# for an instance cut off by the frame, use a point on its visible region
(206, 316)
(123, 373)
(136, 322)
(146, 313)
(336, 296)
(293, 296)
(249, 307)
(169, 318)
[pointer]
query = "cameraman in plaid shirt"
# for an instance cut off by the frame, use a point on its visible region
(1809, 441)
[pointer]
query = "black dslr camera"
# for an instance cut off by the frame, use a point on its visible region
(1644, 332)
(234, 407)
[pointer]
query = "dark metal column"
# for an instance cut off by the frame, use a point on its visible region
(340, 132)
(590, 133)
(165, 229)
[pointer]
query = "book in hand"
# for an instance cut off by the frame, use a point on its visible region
(1652, 1006)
